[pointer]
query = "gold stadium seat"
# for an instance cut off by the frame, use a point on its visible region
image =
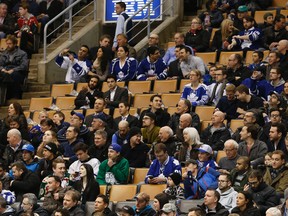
(164, 86)
(224, 56)
(152, 190)
(80, 86)
(122, 192)
(40, 103)
(279, 3)
(258, 16)
(236, 123)
(141, 100)
(220, 154)
(61, 89)
(170, 99)
(171, 109)
(205, 112)
(65, 102)
(183, 83)
(207, 57)
(105, 86)
(140, 87)
(139, 175)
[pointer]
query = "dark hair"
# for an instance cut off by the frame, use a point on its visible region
(239, 58)
(260, 54)
(278, 70)
(256, 174)
(11, 38)
(18, 108)
(274, 109)
(180, 46)
(104, 198)
(253, 129)
(208, 4)
(245, 159)
(19, 166)
(97, 77)
(49, 122)
(61, 114)
(187, 103)
(249, 18)
(160, 147)
(110, 76)
(198, 211)
(80, 146)
(191, 161)
(24, 6)
(153, 96)
(248, 196)
(278, 17)
(122, 5)
(91, 181)
(162, 199)
(280, 128)
(228, 176)
(56, 178)
(64, 212)
(76, 130)
(85, 47)
(278, 55)
(187, 49)
(266, 15)
(75, 195)
(151, 50)
(104, 59)
(125, 49)
(242, 89)
(105, 36)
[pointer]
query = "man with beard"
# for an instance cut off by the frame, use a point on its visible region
(88, 95)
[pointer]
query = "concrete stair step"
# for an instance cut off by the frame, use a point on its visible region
(29, 95)
(37, 87)
(183, 29)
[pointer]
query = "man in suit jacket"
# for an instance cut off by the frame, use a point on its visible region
(115, 94)
(124, 115)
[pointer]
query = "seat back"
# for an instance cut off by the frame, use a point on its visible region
(105, 86)
(208, 57)
(205, 112)
(279, 3)
(220, 154)
(40, 103)
(258, 16)
(142, 100)
(140, 87)
(183, 83)
(152, 190)
(80, 86)
(164, 86)
(236, 123)
(65, 102)
(139, 175)
(61, 89)
(185, 205)
(170, 99)
(122, 192)
(224, 56)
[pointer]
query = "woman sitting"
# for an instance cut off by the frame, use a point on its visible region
(101, 64)
(245, 205)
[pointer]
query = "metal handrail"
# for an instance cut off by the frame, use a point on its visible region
(149, 22)
(69, 9)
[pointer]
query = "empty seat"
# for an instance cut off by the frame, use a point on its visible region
(208, 57)
(61, 89)
(164, 86)
(40, 103)
(171, 110)
(152, 190)
(183, 83)
(139, 175)
(80, 86)
(103, 189)
(27, 114)
(170, 99)
(122, 192)
(65, 102)
(236, 123)
(205, 112)
(142, 100)
(284, 12)
(139, 87)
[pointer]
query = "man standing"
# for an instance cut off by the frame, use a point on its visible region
(211, 204)
(120, 10)
(227, 193)
(77, 66)
(87, 96)
(115, 169)
(13, 68)
(115, 94)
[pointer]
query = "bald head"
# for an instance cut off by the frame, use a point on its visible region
(153, 39)
(217, 118)
(165, 133)
(123, 123)
(185, 120)
(282, 46)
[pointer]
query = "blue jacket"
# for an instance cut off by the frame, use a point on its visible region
(196, 188)
(147, 211)
(171, 166)
(128, 70)
(254, 42)
(119, 140)
(147, 69)
(262, 88)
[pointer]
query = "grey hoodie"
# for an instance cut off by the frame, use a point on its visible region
(228, 198)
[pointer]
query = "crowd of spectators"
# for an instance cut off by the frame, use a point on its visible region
(64, 162)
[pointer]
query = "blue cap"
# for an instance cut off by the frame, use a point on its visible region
(116, 147)
(28, 147)
(80, 115)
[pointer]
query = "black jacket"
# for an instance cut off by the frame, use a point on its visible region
(217, 139)
(100, 153)
(242, 72)
(199, 40)
(162, 117)
(132, 120)
(270, 35)
(29, 182)
(265, 197)
(121, 95)
(252, 211)
(220, 210)
(136, 156)
(107, 212)
(76, 211)
(81, 98)
(174, 121)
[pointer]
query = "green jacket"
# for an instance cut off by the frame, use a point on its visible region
(117, 174)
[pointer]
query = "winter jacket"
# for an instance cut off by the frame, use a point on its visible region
(216, 139)
(76, 211)
(174, 121)
(162, 117)
(147, 211)
(196, 188)
(50, 204)
(252, 211)
(238, 185)
(106, 212)
(9, 211)
(198, 40)
(219, 210)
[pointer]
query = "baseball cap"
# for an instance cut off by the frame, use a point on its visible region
(126, 209)
(116, 147)
(28, 147)
(205, 148)
(80, 115)
(242, 8)
(169, 207)
(100, 117)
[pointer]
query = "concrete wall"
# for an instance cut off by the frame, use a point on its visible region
(48, 72)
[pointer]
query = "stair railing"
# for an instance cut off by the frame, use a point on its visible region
(67, 11)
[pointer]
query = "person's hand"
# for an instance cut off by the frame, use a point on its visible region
(71, 57)
(246, 187)
(230, 46)
(110, 162)
(157, 180)
(241, 111)
(56, 196)
(273, 45)
(152, 78)
(65, 52)
(113, 49)
(223, 171)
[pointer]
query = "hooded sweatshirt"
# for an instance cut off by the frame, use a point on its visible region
(228, 198)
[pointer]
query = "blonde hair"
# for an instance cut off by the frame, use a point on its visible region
(225, 29)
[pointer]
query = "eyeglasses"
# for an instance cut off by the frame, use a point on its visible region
(275, 116)
(229, 150)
